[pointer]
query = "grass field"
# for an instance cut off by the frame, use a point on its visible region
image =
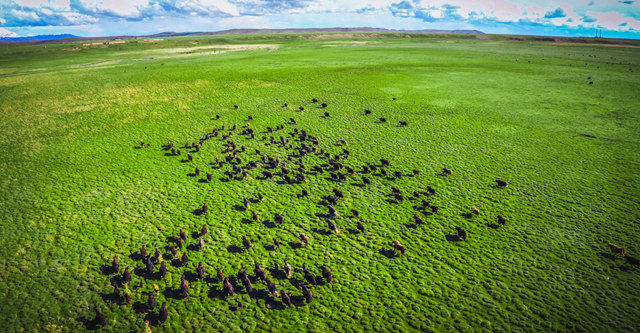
(75, 189)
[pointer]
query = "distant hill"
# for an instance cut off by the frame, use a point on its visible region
(67, 38)
(37, 38)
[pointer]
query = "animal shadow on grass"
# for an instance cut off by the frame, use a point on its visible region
(168, 154)
(202, 181)
(322, 215)
(172, 293)
(321, 231)
(269, 224)
(453, 238)
(90, 324)
(224, 179)
(411, 225)
(116, 280)
(493, 226)
(135, 256)
(191, 175)
(298, 301)
(139, 307)
(295, 245)
(234, 249)
(278, 273)
(264, 295)
(361, 185)
(608, 255)
(176, 263)
(107, 270)
(190, 276)
(387, 253)
(269, 247)
(239, 208)
(153, 318)
(184, 161)
(195, 235)
(216, 292)
(193, 247)
(353, 231)
(467, 215)
(246, 221)
(197, 212)
(110, 297)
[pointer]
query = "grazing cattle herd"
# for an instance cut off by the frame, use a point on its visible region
(293, 170)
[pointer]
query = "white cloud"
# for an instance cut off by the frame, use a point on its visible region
(7, 33)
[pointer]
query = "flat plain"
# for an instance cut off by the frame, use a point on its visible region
(558, 120)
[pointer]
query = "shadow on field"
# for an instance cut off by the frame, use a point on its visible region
(493, 226)
(295, 245)
(153, 318)
(324, 232)
(387, 253)
(90, 324)
(607, 255)
(234, 249)
(269, 224)
(453, 238)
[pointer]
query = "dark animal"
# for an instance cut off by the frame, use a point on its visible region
(183, 235)
(304, 239)
(151, 302)
(184, 259)
(163, 269)
(617, 249)
(324, 105)
(415, 171)
(501, 220)
(417, 219)
(209, 177)
(143, 251)
(286, 300)
(115, 266)
(220, 275)
(149, 265)
(235, 106)
(309, 276)
(278, 218)
(360, 226)
(355, 213)
(383, 120)
(190, 157)
(259, 271)
(366, 180)
(306, 293)
(385, 163)
(326, 274)
(163, 314)
(314, 100)
(116, 292)
(326, 114)
(205, 208)
(246, 242)
(397, 174)
(301, 108)
(255, 216)
(126, 276)
(332, 211)
(276, 244)
(367, 111)
(332, 226)
(287, 268)
(305, 193)
(271, 287)
(179, 242)
(204, 230)
(475, 211)
(501, 183)
(462, 234)
(400, 249)
(431, 190)
(100, 318)
(446, 171)
(227, 287)
(173, 250)
(200, 271)
(403, 123)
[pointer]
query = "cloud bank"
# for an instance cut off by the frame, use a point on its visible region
(136, 17)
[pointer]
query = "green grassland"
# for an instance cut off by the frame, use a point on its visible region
(75, 191)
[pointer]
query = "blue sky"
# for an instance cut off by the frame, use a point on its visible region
(616, 18)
